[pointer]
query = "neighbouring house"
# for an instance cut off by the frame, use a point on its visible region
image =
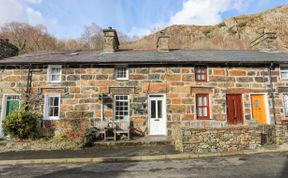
(153, 89)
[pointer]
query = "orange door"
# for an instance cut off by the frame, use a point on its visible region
(258, 109)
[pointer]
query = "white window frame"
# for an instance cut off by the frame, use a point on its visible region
(284, 107)
(49, 73)
(46, 107)
(126, 70)
(128, 100)
(281, 71)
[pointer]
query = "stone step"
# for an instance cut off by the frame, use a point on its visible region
(136, 141)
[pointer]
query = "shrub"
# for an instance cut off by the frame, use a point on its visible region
(231, 31)
(242, 24)
(21, 124)
(206, 32)
(90, 135)
(221, 24)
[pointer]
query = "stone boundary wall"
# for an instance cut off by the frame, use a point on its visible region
(229, 138)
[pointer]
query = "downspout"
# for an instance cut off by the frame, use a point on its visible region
(272, 93)
(102, 98)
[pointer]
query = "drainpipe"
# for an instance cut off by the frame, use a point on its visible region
(272, 93)
(102, 106)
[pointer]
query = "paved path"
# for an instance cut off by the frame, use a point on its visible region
(127, 151)
(258, 165)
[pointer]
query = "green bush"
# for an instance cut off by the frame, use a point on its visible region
(206, 32)
(90, 135)
(21, 124)
(221, 24)
(242, 24)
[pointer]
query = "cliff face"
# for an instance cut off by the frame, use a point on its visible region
(7, 49)
(233, 33)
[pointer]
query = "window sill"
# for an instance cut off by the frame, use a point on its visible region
(51, 119)
(205, 119)
(51, 82)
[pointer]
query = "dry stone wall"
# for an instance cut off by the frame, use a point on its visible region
(204, 140)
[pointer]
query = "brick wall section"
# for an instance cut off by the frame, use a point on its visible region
(204, 140)
(81, 86)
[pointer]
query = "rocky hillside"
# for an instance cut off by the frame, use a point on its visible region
(233, 33)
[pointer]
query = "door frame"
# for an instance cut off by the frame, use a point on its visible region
(4, 108)
(163, 96)
(266, 104)
(242, 104)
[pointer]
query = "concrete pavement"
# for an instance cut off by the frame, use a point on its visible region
(263, 165)
(126, 154)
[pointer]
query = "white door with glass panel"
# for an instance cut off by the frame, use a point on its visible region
(157, 115)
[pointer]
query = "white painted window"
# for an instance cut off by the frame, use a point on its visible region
(121, 110)
(284, 73)
(54, 73)
(52, 107)
(285, 101)
(121, 73)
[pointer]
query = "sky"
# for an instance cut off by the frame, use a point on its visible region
(66, 18)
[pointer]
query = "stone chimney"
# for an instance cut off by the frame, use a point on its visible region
(163, 42)
(111, 42)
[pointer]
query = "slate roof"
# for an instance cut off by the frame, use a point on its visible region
(134, 57)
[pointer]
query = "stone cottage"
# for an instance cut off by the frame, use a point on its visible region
(153, 89)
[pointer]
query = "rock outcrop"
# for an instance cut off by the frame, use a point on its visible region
(233, 33)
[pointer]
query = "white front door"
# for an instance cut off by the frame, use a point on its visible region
(157, 115)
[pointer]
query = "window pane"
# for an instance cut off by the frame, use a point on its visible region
(286, 104)
(205, 101)
(153, 109)
(159, 109)
(199, 101)
(56, 101)
(51, 113)
(199, 112)
(50, 101)
(55, 78)
(55, 70)
(284, 75)
(205, 112)
(56, 111)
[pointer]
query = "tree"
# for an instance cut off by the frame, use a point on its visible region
(92, 37)
(28, 38)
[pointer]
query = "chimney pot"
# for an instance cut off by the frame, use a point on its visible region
(111, 42)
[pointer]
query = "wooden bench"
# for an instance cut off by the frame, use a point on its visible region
(122, 127)
(100, 125)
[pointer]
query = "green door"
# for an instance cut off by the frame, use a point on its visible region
(11, 106)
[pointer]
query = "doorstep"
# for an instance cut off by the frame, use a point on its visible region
(147, 140)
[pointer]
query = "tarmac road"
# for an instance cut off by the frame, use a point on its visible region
(258, 165)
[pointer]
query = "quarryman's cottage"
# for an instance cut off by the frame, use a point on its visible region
(223, 96)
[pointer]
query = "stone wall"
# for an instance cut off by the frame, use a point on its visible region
(81, 86)
(7, 49)
(204, 140)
